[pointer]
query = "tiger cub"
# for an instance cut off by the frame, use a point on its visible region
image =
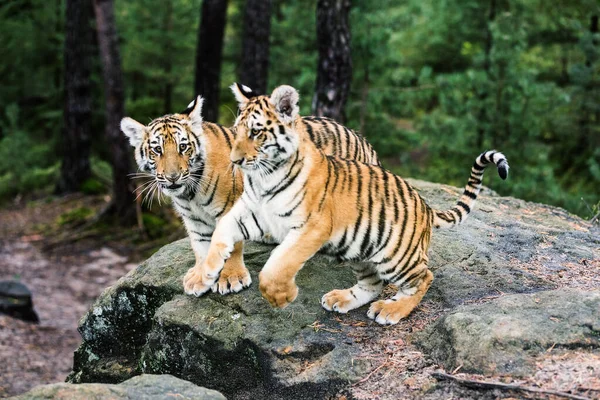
(309, 202)
(188, 160)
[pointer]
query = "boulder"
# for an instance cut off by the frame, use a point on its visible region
(237, 344)
(505, 335)
(143, 387)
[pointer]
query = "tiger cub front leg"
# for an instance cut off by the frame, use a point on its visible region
(235, 276)
(277, 278)
(202, 277)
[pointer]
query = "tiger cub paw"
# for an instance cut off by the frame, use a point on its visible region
(196, 282)
(279, 293)
(389, 312)
(340, 301)
(232, 280)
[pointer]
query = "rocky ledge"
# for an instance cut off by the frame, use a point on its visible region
(143, 387)
(498, 303)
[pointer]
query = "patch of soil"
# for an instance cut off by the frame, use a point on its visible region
(65, 268)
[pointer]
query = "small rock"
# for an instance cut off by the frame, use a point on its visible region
(143, 387)
(15, 300)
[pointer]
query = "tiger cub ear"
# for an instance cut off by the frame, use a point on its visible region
(194, 110)
(242, 93)
(133, 130)
(285, 98)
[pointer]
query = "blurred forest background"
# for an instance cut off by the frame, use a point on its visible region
(431, 83)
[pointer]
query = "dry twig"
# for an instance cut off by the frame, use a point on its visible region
(503, 386)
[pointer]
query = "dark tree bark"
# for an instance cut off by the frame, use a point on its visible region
(75, 168)
(334, 69)
(168, 58)
(255, 45)
(209, 54)
(122, 205)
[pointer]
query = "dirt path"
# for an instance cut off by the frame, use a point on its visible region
(64, 282)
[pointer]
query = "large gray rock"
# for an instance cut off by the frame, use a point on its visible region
(239, 345)
(144, 387)
(235, 344)
(505, 335)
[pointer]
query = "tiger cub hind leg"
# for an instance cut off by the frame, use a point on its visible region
(369, 286)
(235, 276)
(391, 311)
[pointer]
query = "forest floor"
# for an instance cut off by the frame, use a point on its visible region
(50, 246)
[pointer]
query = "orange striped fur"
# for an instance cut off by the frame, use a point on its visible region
(188, 160)
(312, 202)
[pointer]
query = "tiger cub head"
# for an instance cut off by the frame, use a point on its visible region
(264, 130)
(169, 148)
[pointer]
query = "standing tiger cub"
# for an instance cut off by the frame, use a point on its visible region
(309, 202)
(188, 160)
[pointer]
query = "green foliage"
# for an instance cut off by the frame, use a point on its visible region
(434, 84)
(25, 165)
(520, 81)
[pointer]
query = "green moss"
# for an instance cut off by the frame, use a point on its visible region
(92, 186)
(77, 215)
(154, 225)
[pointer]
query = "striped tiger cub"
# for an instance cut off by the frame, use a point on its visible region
(310, 202)
(187, 159)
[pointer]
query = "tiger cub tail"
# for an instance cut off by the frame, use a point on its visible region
(460, 212)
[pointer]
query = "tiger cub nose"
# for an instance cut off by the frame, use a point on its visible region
(173, 177)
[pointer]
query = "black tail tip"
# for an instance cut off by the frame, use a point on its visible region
(503, 169)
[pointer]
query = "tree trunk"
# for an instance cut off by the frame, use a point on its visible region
(255, 45)
(168, 57)
(208, 56)
(334, 69)
(122, 205)
(75, 167)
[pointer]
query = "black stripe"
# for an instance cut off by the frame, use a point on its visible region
(242, 229)
(336, 171)
(442, 215)
(225, 135)
(303, 223)
(346, 153)
(257, 225)
(326, 184)
(195, 218)
(463, 205)
(226, 203)
(358, 222)
(400, 237)
(183, 207)
(309, 129)
(470, 194)
(212, 195)
(291, 210)
(367, 236)
(284, 184)
(204, 235)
